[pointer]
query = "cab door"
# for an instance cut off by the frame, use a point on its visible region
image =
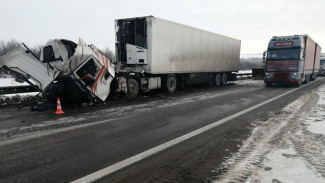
(95, 77)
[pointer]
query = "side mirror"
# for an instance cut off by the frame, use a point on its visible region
(304, 54)
(264, 56)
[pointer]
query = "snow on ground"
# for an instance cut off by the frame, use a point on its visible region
(17, 98)
(4, 82)
(288, 147)
(285, 165)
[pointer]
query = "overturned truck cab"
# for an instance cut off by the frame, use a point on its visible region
(65, 69)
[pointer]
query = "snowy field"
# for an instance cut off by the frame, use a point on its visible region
(289, 147)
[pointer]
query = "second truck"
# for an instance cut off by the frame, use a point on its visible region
(291, 60)
(151, 53)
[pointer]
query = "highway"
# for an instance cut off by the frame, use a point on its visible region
(134, 141)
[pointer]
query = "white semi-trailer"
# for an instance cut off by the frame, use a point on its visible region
(150, 53)
(153, 53)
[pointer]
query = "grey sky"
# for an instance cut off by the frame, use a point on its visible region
(254, 22)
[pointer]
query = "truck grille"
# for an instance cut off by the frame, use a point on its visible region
(281, 76)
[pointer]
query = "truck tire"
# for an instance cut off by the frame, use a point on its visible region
(218, 80)
(211, 81)
(268, 84)
(313, 77)
(307, 79)
(299, 84)
(171, 83)
(224, 79)
(132, 88)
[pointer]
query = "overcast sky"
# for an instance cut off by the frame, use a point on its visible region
(254, 22)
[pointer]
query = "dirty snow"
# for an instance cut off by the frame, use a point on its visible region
(285, 165)
(4, 82)
(288, 147)
(317, 127)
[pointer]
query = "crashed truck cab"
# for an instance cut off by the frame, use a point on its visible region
(81, 62)
(65, 60)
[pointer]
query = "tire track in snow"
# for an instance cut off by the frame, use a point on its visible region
(254, 150)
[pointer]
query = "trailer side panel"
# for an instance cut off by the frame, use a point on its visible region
(178, 48)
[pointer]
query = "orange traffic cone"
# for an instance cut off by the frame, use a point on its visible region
(59, 109)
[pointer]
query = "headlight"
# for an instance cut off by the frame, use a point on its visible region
(294, 75)
(268, 75)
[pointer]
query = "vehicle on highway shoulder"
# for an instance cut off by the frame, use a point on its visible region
(291, 60)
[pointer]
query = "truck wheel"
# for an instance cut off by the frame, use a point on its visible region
(211, 80)
(218, 80)
(313, 77)
(132, 88)
(307, 79)
(299, 83)
(224, 79)
(268, 84)
(171, 83)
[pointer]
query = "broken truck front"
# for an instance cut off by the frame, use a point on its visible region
(63, 60)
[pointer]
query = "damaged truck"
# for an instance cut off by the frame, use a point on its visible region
(151, 53)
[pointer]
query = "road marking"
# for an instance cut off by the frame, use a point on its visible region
(122, 164)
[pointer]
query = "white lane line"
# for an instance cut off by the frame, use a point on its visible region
(122, 164)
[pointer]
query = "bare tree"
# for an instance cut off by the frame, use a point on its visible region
(249, 63)
(6, 47)
(37, 50)
(108, 52)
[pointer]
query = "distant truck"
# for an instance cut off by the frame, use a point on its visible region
(322, 65)
(291, 60)
(151, 53)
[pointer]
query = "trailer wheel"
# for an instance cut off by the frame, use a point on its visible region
(224, 79)
(171, 83)
(218, 80)
(211, 81)
(132, 88)
(307, 79)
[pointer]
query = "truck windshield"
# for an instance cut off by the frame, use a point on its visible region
(322, 62)
(283, 54)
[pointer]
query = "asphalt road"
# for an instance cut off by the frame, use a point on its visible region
(43, 147)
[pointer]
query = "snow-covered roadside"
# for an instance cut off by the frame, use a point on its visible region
(5, 82)
(288, 147)
(17, 98)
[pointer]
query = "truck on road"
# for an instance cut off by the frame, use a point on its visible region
(151, 53)
(291, 60)
(322, 65)
(155, 53)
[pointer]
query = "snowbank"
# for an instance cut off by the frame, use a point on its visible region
(289, 147)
